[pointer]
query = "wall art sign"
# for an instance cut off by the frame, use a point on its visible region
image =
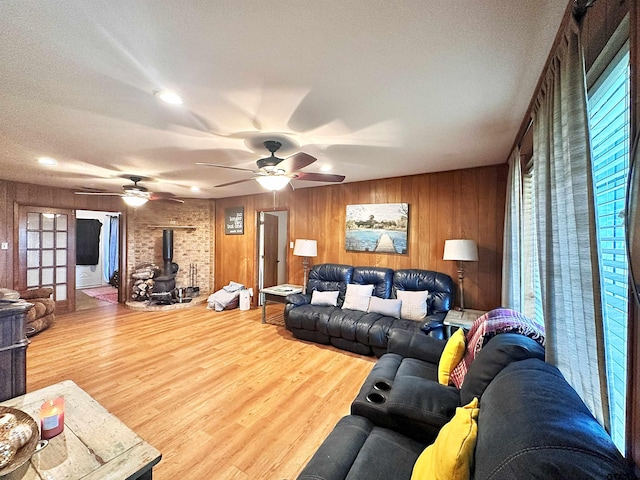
(234, 221)
(377, 227)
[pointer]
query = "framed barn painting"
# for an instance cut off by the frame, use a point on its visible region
(377, 227)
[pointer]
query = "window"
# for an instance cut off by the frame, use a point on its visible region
(609, 129)
(532, 307)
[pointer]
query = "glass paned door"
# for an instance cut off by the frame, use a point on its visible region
(46, 253)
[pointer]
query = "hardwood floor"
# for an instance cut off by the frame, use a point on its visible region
(221, 395)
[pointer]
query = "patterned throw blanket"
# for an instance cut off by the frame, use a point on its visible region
(500, 320)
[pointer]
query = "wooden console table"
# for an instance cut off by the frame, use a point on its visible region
(94, 445)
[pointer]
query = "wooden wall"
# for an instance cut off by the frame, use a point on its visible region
(13, 194)
(458, 204)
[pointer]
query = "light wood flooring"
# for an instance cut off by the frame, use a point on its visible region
(221, 395)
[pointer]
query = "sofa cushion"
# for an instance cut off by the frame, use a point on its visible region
(422, 400)
(330, 276)
(532, 424)
(414, 304)
(358, 449)
(451, 356)
(380, 277)
(328, 298)
(357, 297)
(440, 286)
(499, 352)
(451, 455)
(389, 307)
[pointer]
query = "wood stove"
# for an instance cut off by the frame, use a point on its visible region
(164, 286)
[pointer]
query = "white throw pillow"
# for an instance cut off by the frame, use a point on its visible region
(389, 307)
(329, 298)
(414, 304)
(357, 297)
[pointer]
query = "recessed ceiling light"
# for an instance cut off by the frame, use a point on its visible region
(326, 168)
(169, 97)
(48, 161)
(195, 189)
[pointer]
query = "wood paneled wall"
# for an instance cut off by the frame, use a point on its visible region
(13, 194)
(458, 204)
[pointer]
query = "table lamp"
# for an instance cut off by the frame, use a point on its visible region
(305, 249)
(461, 251)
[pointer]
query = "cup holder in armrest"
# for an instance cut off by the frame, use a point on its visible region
(375, 397)
(382, 386)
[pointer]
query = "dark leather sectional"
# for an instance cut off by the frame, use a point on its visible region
(531, 425)
(361, 332)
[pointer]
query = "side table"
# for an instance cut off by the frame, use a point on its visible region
(461, 319)
(277, 293)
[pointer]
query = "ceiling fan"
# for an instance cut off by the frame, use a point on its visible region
(275, 173)
(135, 195)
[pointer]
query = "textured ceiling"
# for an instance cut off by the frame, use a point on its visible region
(372, 88)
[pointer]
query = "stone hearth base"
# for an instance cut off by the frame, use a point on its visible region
(145, 307)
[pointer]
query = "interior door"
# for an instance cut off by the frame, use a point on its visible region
(46, 253)
(270, 250)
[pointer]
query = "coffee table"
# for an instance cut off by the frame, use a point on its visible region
(94, 445)
(277, 293)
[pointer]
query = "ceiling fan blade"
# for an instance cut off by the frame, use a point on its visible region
(225, 166)
(233, 183)
(166, 197)
(296, 161)
(319, 177)
(98, 193)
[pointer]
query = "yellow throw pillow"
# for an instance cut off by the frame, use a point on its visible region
(451, 455)
(451, 356)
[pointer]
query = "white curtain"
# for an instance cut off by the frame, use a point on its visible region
(567, 248)
(512, 281)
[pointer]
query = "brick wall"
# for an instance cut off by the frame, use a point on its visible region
(190, 245)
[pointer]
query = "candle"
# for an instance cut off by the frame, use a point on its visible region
(51, 418)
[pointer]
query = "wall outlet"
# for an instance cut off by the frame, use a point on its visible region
(4, 246)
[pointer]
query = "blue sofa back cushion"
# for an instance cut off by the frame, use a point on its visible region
(500, 351)
(381, 278)
(439, 285)
(532, 421)
(330, 277)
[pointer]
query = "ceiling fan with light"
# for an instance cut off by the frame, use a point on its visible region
(135, 195)
(275, 173)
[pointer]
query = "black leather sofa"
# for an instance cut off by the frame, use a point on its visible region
(531, 425)
(362, 332)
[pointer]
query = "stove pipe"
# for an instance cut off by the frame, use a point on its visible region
(167, 252)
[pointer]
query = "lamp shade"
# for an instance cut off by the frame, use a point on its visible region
(134, 200)
(273, 182)
(461, 250)
(305, 248)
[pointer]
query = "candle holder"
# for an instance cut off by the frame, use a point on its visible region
(51, 418)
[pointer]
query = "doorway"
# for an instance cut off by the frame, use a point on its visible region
(97, 258)
(273, 230)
